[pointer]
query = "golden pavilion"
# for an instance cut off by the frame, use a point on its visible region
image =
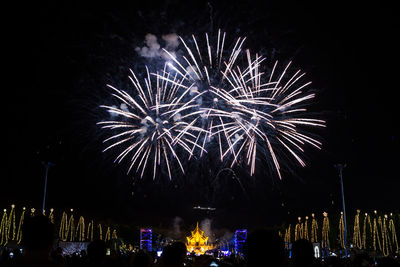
(197, 243)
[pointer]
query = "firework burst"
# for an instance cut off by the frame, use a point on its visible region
(245, 110)
(152, 126)
(269, 118)
(210, 96)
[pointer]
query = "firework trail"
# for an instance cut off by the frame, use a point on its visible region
(152, 126)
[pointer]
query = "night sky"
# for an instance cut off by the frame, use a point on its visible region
(59, 56)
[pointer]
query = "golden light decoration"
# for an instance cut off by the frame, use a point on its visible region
(325, 231)
(314, 229)
(100, 232)
(11, 224)
(298, 230)
(392, 230)
(305, 229)
(375, 234)
(287, 237)
(90, 231)
(80, 229)
(71, 227)
(67, 230)
(386, 245)
(67, 227)
(51, 216)
(356, 231)
(21, 222)
(378, 233)
(3, 228)
(367, 222)
(63, 232)
(108, 234)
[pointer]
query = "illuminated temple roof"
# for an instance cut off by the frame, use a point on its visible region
(197, 243)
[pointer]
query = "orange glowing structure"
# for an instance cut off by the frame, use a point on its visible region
(197, 243)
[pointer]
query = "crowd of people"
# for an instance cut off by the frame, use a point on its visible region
(262, 248)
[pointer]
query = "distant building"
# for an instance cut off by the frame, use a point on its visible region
(197, 243)
(146, 239)
(240, 239)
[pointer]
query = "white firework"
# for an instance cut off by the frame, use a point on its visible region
(151, 125)
(245, 109)
(210, 96)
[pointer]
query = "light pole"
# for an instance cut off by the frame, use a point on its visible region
(47, 166)
(340, 167)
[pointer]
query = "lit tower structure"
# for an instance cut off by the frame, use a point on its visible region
(146, 239)
(240, 238)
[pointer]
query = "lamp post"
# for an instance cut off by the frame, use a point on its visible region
(340, 167)
(47, 166)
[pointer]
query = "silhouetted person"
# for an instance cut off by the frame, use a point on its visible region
(96, 253)
(38, 237)
(362, 260)
(388, 262)
(302, 253)
(174, 255)
(57, 256)
(264, 248)
(5, 255)
(141, 259)
(202, 260)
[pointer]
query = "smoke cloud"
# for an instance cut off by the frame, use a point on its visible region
(205, 225)
(153, 49)
(176, 231)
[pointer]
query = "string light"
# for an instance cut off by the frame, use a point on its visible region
(67, 230)
(21, 222)
(375, 234)
(386, 246)
(305, 229)
(108, 234)
(100, 232)
(90, 231)
(298, 230)
(367, 221)
(393, 234)
(51, 216)
(11, 224)
(314, 229)
(356, 233)
(3, 228)
(287, 237)
(325, 231)
(71, 227)
(80, 229)
(379, 236)
(63, 232)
